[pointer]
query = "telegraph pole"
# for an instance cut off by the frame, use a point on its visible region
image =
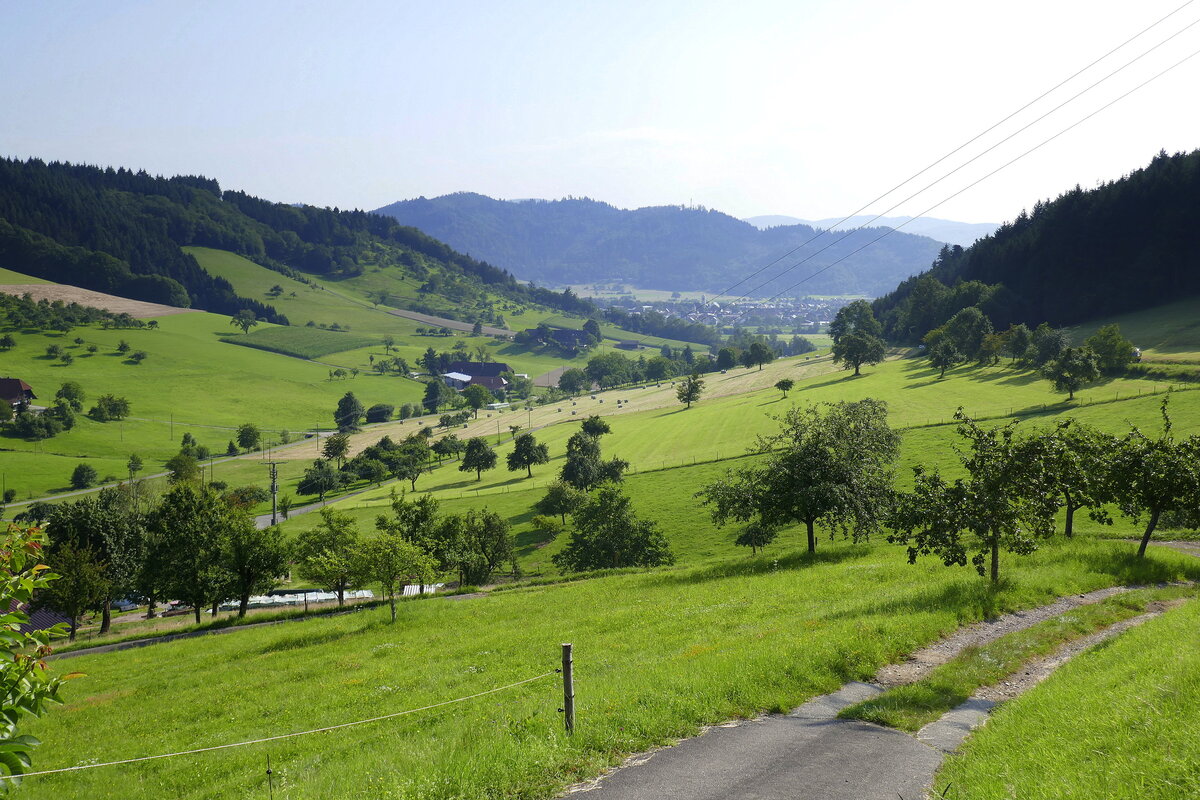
(274, 490)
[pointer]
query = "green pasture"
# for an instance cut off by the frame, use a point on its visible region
(347, 303)
(912, 706)
(657, 655)
(301, 342)
(1164, 333)
(9, 277)
(312, 301)
(1118, 721)
(190, 381)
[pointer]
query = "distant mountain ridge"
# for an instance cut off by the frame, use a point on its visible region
(581, 241)
(963, 234)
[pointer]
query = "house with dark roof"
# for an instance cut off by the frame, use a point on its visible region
(570, 339)
(479, 369)
(16, 392)
(461, 374)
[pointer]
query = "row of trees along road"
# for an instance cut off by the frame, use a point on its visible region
(194, 545)
(833, 467)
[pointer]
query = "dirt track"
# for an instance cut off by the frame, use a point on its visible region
(86, 297)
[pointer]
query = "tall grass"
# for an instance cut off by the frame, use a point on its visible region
(658, 655)
(1117, 722)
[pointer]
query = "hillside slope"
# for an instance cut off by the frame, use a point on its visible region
(123, 232)
(579, 241)
(1130, 244)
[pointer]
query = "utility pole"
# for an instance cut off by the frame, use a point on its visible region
(274, 491)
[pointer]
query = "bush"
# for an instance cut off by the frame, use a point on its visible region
(109, 407)
(380, 412)
(84, 477)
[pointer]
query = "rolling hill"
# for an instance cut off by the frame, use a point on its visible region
(582, 241)
(125, 233)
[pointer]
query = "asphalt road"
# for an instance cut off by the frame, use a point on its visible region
(806, 754)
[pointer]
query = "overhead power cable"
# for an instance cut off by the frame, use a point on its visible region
(949, 154)
(275, 738)
(1007, 164)
(973, 159)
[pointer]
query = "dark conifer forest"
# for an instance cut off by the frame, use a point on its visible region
(1127, 245)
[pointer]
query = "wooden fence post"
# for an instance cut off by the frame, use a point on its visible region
(568, 689)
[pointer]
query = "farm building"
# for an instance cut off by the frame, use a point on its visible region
(461, 374)
(15, 391)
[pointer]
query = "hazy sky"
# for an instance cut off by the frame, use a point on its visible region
(808, 108)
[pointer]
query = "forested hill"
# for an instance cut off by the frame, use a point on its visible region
(120, 231)
(580, 241)
(1130, 244)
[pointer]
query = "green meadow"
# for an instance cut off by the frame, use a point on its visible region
(7, 276)
(347, 303)
(1118, 721)
(658, 654)
(191, 381)
(1169, 333)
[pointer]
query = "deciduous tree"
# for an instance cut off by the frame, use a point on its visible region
(608, 534)
(478, 456)
(187, 533)
(395, 562)
(1149, 477)
(856, 349)
(526, 452)
(689, 389)
(348, 413)
(832, 468)
(330, 554)
(1073, 367)
(257, 559)
(248, 436)
(1007, 502)
(561, 499)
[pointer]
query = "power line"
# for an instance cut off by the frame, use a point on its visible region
(280, 736)
(952, 152)
(972, 160)
(1007, 164)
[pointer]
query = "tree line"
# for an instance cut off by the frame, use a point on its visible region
(1123, 246)
(833, 466)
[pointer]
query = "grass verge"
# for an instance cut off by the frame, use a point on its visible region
(911, 707)
(657, 656)
(1117, 722)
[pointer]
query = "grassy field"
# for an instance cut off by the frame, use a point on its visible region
(1169, 333)
(10, 277)
(303, 342)
(190, 381)
(1116, 722)
(657, 654)
(912, 706)
(663, 444)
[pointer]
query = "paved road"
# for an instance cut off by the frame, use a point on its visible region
(452, 324)
(806, 754)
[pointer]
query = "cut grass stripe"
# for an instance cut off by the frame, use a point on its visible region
(911, 707)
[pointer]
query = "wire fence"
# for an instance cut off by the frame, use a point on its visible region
(264, 739)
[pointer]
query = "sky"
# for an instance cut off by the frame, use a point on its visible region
(808, 108)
